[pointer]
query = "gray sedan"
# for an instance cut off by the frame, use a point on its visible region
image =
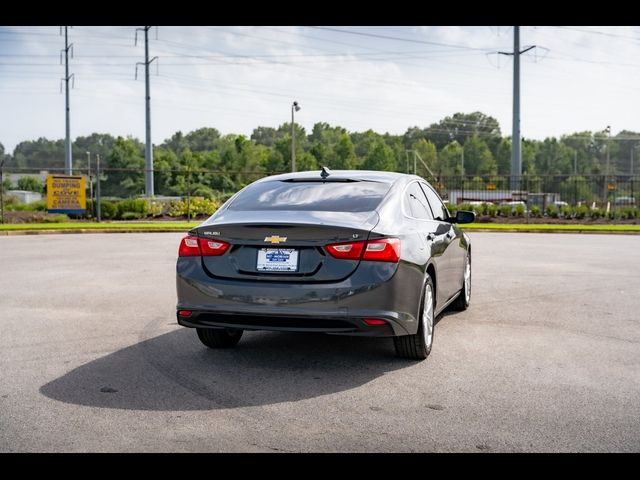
(346, 253)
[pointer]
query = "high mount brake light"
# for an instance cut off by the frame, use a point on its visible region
(194, 247)
(382, 250)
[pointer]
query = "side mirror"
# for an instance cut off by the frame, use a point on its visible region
(463, 216)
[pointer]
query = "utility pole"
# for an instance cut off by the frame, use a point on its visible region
(148, 149)
(68, 167)
(98, 197)
(575, 162)
(516, 159)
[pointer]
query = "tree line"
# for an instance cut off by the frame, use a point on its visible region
(204, 162)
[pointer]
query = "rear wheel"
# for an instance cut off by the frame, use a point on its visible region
(462, 302)
(217, 338)
(418, 346)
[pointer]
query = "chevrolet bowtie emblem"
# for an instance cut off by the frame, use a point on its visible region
(275, 239)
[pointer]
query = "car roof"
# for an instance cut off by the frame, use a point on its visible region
(336, 175)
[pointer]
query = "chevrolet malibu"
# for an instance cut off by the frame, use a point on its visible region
(345, 253)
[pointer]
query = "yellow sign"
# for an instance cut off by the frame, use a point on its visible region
(491, 186)
(611, 186)
(66, 194)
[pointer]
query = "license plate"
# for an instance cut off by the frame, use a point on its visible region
(277, 260)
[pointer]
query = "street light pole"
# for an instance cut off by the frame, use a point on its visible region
(294, 108)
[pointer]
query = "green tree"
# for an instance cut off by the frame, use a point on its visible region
(30, 183)
(381, 158)
(41, 154)
(503, 157)
(553, 158)
(202, 139)
(462, 126)
(345, 153)
(478, 159)
(266, 136)
(6, 184)
(427, 152)
(124, 172)
(450, 159)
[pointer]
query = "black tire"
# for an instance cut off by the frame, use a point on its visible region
(416, 347)
(218, 338)
(463, 300)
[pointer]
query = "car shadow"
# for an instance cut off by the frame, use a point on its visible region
(174, 371)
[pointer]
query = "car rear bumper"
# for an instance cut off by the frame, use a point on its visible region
(335, 325)
(389, 292)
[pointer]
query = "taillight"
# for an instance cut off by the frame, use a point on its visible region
(383, 250)
(212, 248)
(194, 247)
(189, 247)
(348, 251)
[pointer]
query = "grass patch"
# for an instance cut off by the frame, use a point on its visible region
(177, 226)
(541, 227)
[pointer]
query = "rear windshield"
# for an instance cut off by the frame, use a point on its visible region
(318, 196)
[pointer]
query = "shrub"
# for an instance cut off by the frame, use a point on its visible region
(198, 206)
(505, 210)
(492, 209)
(596, 213)
(130, 216)
(31, 183)
(552, 211)
(108, 210)
(137, 206)
(452, 209)
(566, 211)
(155, 208)
(581, 211)
(15, 206)
(535, 210)
(58, 218)
(520, 210)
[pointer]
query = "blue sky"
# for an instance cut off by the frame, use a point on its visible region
(383, 78)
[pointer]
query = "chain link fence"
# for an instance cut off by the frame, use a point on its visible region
(118, 193)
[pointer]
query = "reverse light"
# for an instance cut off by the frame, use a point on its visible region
(212, 247)
(194, 247)
(347, 251)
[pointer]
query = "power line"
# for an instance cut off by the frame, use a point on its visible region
(597, 32)
(400, 39)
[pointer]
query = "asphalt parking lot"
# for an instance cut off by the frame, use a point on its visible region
(546, 359)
